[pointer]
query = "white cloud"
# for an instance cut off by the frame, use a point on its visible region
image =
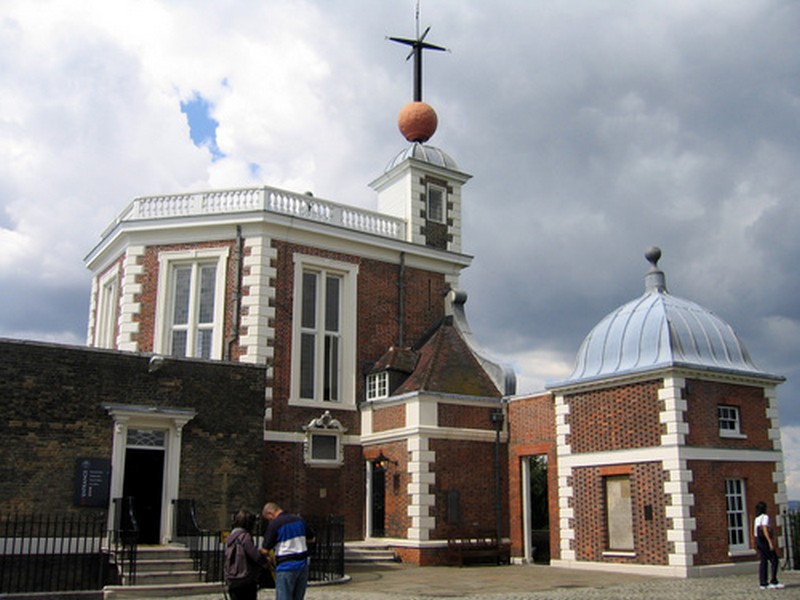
(592, 129)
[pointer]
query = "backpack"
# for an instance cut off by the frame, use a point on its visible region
(236, 567)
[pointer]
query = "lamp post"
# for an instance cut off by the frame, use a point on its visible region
(497, 420)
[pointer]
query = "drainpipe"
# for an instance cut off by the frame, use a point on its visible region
(401, 302)
(237, 292)
(497, 420)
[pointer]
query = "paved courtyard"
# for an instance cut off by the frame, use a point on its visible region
(531, 582)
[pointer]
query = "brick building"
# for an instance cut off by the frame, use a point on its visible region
(373, 400)
(373, 381)
(657, 447)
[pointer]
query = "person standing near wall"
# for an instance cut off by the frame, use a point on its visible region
(243, 562)
(288, 535)
(766, 549)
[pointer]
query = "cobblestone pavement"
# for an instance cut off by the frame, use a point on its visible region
(534, 582)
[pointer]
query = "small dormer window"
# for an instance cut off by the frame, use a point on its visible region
(378, 385)
(437, 196)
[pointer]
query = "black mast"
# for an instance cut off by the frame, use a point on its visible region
(417, 46)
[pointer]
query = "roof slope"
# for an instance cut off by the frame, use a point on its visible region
(447, 365)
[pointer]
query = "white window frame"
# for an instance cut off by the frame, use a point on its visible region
(378, 385)
(440, 215)
(728, 414)
(348, 272)
(328, 427)
(107, 314)
(738, 527)
(168, 262)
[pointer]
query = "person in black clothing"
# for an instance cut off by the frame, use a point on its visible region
(766, 549)
(243, 561)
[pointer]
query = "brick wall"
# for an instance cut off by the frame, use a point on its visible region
(468, 468)
(465, 417)
(591, 533)
(389, 417)
(319, 491)
(615, 418)
(377, 327)
(531, 433)
(52, 415)
(710, 511)
(703, 398)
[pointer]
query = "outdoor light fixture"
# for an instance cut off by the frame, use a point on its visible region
(382, 461)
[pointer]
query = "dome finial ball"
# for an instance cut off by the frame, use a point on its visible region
(417, 121)
(653, 255)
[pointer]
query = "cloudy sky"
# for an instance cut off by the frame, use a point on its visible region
(593, 129)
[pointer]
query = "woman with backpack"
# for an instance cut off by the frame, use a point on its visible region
(243, 561)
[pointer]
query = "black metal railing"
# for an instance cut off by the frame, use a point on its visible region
(53, 553)
(123, 539)
(791, 532)
(327, 552)
(206, 547)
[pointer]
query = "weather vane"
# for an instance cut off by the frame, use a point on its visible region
(417, 44)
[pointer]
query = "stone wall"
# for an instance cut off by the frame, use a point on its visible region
(52, 397)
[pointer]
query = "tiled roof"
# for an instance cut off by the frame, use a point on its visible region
(446, 364)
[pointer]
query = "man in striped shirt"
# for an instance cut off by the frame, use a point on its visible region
(288, 535)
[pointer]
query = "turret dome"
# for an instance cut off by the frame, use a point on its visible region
(427, 154)
(659, 330)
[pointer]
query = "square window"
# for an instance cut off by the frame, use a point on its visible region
(323, 442)
(324, 446)
(378, 385)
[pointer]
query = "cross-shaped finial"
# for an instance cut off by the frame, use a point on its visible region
(417, 46)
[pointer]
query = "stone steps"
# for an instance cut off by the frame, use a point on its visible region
(364, 553)
(163, 571)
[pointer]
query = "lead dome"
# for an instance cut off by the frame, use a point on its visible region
(659, 330)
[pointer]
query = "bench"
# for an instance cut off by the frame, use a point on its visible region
(477, 548)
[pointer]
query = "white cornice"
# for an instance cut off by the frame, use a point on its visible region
(665, 453)
(178, 230)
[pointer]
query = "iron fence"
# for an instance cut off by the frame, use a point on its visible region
(206, 547)
(327, 552)
(791, 532)
(124, 539)
(53, 553)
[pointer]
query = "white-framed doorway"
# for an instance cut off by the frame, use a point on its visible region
(145, 463)
(535, 508)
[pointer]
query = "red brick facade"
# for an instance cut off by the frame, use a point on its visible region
(464, 417)
(647, 499)
(615, 418)
(704, 398)
(531, 433)
(708, 486)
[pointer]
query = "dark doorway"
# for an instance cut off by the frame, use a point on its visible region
(540, 509)
(144, 482)
(378, 500)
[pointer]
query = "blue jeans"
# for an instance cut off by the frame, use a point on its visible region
(291, 585)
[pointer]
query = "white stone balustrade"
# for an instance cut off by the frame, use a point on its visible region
(267, 199)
